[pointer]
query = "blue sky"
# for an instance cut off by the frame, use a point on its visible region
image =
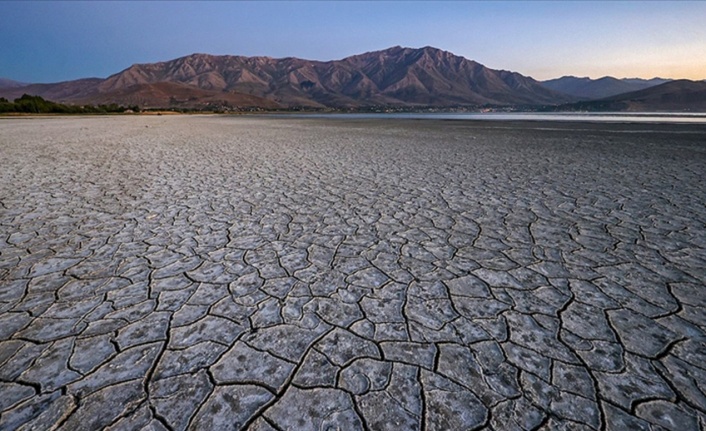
(49, 41)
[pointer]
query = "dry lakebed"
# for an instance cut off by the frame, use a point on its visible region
(241, 272)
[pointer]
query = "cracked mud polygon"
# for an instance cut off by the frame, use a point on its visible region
(205, 272)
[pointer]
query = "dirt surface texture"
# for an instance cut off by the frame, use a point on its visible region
(206, 272)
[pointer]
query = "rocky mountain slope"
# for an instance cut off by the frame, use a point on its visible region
(396, 77)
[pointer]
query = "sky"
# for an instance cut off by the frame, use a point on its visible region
(51, 41)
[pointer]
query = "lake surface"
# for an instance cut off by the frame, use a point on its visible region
(599, 117)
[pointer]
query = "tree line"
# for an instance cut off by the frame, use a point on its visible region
(37, 105)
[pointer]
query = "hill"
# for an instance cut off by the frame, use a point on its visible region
(175, 95)
(590, 89)
(9, 83)
(66, 91)
(679, 95)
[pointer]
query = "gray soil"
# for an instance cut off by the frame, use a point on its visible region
(257, 273)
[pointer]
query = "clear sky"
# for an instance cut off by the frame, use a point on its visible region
(49, 41)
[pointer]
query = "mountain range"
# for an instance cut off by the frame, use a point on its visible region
(677, 95)
(590, 89)
(394, 77)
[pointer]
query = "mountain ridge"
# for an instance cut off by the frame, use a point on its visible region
(377, 77)
(396, 76)
(591, 89)
(677, 95)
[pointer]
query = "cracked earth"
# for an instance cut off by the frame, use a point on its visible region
(176, 273)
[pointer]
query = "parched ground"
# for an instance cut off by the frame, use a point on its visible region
(299, 274)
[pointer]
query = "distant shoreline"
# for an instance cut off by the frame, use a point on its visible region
(601, 117)
(538, 124)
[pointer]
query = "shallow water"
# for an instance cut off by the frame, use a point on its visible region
(599, 117)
